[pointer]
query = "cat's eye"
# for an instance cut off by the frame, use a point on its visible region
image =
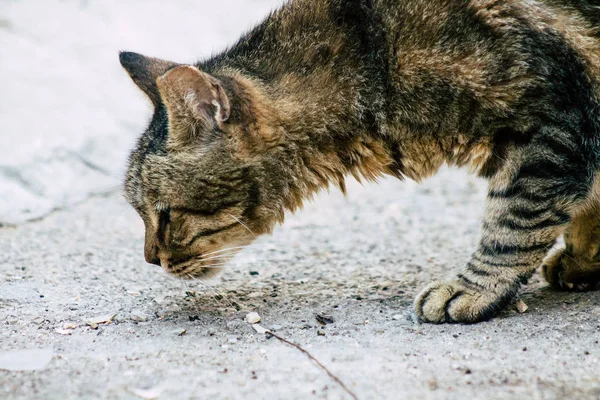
(164, 218)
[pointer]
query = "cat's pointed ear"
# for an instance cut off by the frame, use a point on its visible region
(195, 101)
(144, 71)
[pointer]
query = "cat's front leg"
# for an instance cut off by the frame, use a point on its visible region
(529, 204)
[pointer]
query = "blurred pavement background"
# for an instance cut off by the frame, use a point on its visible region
(68, 113)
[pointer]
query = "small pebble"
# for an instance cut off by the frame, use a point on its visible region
(320, 332)
(521, 306)
(253, 318)
(324, 319)
(139, 316)
(253, 273)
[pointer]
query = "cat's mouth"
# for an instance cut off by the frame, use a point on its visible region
(196, 267)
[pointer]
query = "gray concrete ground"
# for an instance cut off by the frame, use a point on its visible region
(361, 259)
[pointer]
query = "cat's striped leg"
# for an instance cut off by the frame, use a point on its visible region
(529, 204)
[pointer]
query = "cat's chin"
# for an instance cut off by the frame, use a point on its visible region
(204, 273)
(192, 272)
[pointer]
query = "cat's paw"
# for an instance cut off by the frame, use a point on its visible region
(553, 271)
(564, 271)
(452, 302)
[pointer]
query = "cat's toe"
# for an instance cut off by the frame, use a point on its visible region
(553, 271)
(452, 302)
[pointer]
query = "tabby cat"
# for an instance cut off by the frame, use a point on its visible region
(323, 89)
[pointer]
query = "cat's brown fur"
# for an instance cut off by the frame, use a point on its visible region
(324, 89)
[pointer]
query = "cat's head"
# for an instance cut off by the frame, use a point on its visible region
(201, 176)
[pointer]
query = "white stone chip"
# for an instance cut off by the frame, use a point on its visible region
(253, 318)
(260, 329)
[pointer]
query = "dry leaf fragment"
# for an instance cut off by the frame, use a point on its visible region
(521, 306)
(139, 317)
(102, 319)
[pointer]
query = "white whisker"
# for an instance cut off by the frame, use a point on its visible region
(214, 265)
(243, 224)
(211, 289)
(212, 292)
(224, 250)
(218, 257)
(189, 290)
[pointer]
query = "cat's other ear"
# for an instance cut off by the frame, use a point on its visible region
(195, 102)
(144, 71)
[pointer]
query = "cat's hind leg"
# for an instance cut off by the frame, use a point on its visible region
(576, 265)
(530, 203)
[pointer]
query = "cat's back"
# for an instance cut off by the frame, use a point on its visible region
(461, 31)
(447, 55)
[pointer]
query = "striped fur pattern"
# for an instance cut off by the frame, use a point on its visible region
(324, 89)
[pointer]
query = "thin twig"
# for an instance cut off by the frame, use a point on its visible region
(324, 368)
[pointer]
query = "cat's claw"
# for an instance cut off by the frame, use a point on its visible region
(453, 302)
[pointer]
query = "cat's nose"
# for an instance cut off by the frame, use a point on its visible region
(151, 255)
